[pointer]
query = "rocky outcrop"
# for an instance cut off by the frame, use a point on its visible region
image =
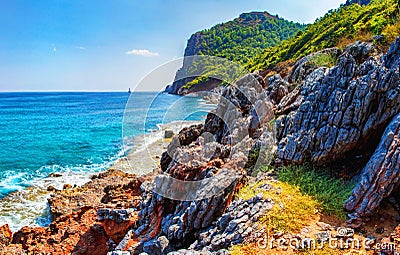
(305, 66)
(5, 236)
(337, 111)
(179, 219)
(203, 168)
(236, 225)
(71, 199)
(380, 177)
(91, 219)
(76, 233)
(340, 114)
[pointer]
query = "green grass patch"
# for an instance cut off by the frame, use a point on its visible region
(329, 192)
(323, 59)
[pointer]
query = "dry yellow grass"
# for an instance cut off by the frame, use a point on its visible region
(292, 211)
(362, 36)
(391, 32)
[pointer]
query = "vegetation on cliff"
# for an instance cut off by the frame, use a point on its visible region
(256, 42)
(337, 28)
(244, 37)
(238, 40)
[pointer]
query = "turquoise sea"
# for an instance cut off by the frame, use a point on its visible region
(77, 132)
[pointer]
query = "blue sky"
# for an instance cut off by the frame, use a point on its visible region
(112, 45)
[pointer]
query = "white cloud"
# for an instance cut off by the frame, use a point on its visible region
(80, 48)
(54, 49)
(145, 53)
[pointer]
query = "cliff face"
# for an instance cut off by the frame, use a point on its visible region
(235, 40)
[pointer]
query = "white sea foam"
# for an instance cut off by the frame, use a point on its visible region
(28, 206)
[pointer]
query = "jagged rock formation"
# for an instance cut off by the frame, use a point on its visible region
(337, 111)
(341, 113)
(219, 148)
(380, 177)
(331, 114)
(236, 225)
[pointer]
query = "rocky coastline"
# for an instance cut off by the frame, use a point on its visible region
(347, 116)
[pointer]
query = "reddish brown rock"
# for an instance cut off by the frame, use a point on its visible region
(116, 222)
(76, 228)
(13, 249)
(90, 194)
(75, 233)
(5, 235)
(127, 194)
(117, 230)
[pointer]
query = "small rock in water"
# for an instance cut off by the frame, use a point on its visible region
(55, 175)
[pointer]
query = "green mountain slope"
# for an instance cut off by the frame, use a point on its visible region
(238, 40)
(337, 28)
(364, 20)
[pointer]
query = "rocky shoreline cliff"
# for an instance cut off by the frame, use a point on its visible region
(346, 116)
(311, 107)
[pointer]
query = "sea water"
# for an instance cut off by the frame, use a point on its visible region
(74, 133)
